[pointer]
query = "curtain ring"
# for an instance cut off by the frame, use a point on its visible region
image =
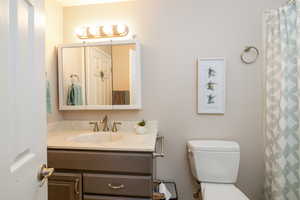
(247, 50)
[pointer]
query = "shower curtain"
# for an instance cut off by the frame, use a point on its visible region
(282, 120)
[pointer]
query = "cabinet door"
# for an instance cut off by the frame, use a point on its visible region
(65, 186)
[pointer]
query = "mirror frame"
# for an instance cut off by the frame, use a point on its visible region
(137, 83)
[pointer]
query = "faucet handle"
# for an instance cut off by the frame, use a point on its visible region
(96, 126)
(105, 119)
(115, 128)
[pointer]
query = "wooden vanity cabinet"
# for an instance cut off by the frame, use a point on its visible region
(97, 197)
(102, 175)
(65, 186)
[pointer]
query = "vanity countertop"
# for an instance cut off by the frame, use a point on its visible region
(79, 135)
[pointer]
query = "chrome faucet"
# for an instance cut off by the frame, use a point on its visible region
(114, 127)
(105, 123)
(96, 126)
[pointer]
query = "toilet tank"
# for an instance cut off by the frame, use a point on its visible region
(214, 161)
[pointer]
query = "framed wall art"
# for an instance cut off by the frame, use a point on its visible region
(211, 85)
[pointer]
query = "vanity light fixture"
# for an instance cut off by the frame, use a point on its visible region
(82, 32)
(106, 31)
(93, 30)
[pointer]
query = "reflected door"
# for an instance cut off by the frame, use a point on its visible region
(99, 76)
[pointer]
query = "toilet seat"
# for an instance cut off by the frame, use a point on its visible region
(213, 191)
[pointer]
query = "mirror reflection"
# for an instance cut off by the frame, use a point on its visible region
(73, 76)
(99, 75)
(123, 61)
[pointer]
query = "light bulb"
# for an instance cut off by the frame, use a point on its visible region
(81, 32)
(121, 28)
(107, 30)
(94, 30)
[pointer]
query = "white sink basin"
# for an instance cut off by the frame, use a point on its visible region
(96, 138)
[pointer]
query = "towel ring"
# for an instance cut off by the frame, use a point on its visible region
(75, 75)
(247, 50)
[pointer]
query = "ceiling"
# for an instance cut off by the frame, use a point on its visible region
(86, 2)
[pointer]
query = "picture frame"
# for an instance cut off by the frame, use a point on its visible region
(211, 86)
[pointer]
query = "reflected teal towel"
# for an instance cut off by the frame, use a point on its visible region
(48, 97)
(74, 95)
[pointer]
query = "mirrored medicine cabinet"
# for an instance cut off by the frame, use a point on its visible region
(100, 76)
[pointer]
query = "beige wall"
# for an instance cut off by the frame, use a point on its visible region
(173, 33)
(54, 27)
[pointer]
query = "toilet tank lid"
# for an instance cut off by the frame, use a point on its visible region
(213, 145)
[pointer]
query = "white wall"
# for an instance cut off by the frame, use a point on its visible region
(173, 33)
(54, 28)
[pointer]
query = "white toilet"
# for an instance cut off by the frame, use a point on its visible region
(215, 164)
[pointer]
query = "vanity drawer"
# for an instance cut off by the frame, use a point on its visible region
(119, 162)
(97, 197)
(121, 185)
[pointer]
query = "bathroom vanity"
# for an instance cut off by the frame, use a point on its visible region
(92, 175)
(122, 166)
(100, 165)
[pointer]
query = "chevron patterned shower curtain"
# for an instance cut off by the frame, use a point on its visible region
(282, 97)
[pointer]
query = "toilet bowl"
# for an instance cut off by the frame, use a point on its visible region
(215, 164)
